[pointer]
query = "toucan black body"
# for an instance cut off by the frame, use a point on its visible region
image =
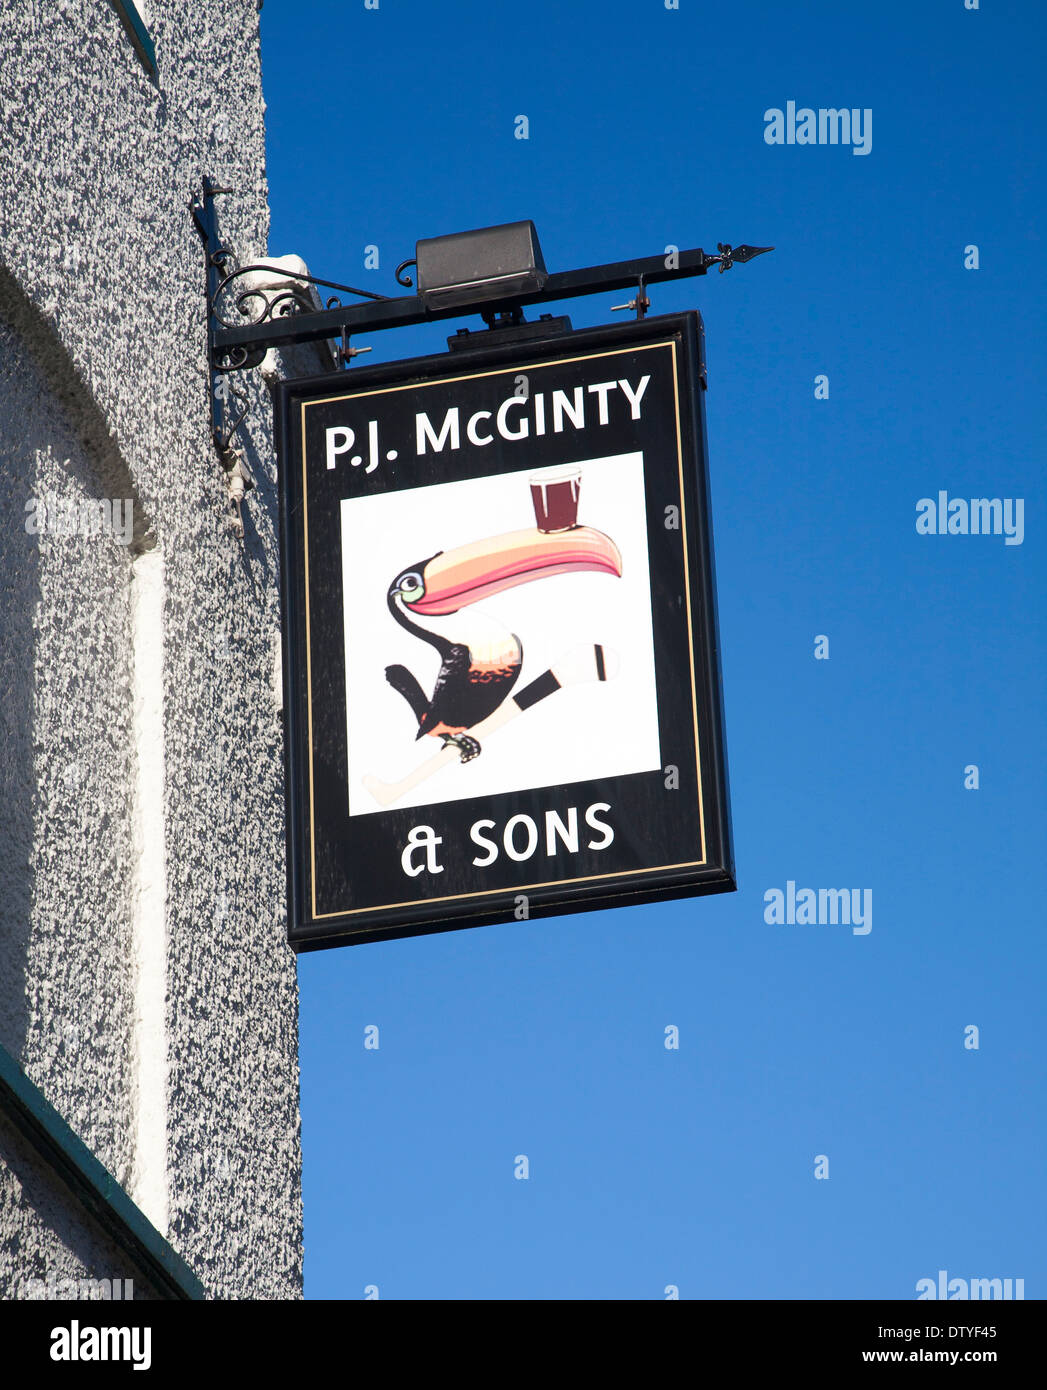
(470, 684)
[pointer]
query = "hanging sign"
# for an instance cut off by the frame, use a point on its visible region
(502, 695)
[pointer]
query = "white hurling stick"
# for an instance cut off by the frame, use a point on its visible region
(588, 662)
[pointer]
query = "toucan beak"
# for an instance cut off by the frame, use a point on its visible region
(456, 578)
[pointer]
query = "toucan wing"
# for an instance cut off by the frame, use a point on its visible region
(453, 677)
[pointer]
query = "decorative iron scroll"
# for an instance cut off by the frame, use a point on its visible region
(271, 303)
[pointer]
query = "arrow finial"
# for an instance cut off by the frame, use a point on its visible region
(728, 254)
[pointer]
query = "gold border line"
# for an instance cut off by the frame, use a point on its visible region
(308, 670)
(549, 883)
(479, 376)
(513, 888)
(687, 591)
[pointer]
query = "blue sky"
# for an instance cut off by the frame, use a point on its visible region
(695, 1167)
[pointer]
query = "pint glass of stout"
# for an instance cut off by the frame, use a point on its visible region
(554, 492)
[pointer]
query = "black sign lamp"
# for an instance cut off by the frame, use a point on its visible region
(479, 267)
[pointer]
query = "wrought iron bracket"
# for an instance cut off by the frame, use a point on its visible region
(246, 316)
(236, 294)
(404, 311)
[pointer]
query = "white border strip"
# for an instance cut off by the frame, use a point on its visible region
(149, 1181)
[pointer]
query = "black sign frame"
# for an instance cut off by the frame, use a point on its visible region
(362, 861)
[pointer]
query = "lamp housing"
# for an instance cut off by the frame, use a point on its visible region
(483, 266)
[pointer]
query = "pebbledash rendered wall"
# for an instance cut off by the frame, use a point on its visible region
(146, 987)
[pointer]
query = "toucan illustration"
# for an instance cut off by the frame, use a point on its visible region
(479, 667)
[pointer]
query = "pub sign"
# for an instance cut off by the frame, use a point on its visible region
(502, 697)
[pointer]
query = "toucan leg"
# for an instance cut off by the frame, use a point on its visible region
(468, 747)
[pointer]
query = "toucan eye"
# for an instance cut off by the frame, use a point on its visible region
(411, 587)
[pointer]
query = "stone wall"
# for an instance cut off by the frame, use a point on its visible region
(150, 995)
